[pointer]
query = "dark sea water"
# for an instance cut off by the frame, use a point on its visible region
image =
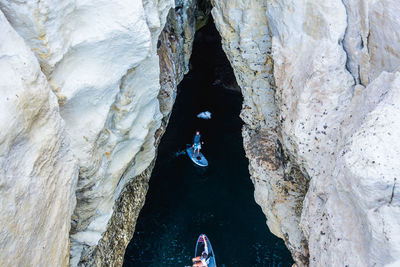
(185, 200)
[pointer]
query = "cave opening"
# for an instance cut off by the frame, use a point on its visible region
(185, 200)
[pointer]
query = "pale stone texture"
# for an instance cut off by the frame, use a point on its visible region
(279, 185)
(384, 37)
(350, 210)
(174, 49)
(38, 172)
(100, 58)
(321, 97)
(372, 39)
(357, 204)
(322, 111)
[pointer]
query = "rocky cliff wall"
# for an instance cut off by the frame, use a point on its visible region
(319, 81)
(173, 49)
(279, 185)
(99, 61)
(87, 88)
(38, 172)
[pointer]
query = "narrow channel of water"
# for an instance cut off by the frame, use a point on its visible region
(185, 200)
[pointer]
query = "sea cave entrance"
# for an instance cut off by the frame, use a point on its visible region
(185, 200)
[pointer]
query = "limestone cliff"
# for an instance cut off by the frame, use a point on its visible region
(38, 172)
(87, 89)
(99, 61)
(320, 86)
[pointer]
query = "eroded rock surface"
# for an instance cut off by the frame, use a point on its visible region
(279, 187)
(313, 78)
(100, 60)
(38, 173)
(174, 49)
(88, 86)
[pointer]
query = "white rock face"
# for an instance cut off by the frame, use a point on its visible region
(99, 58)
(321, 89)
(383, 45)
(358, 203)
(372, 38)
(246, 40)
(327, 115)
(313, 88)
(38, 172)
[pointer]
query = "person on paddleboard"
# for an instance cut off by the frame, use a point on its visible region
(197, 143)
(204, 259)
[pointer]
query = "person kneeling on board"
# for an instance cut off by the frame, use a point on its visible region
(197, 143)
(203, 260)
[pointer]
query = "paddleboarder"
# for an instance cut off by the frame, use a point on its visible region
(197, 143)
(204, 259)
(194, 149)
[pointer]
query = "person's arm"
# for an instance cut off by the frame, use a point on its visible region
(205, 245)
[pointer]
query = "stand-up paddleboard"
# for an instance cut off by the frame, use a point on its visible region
(199, 160)
(200, 248)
